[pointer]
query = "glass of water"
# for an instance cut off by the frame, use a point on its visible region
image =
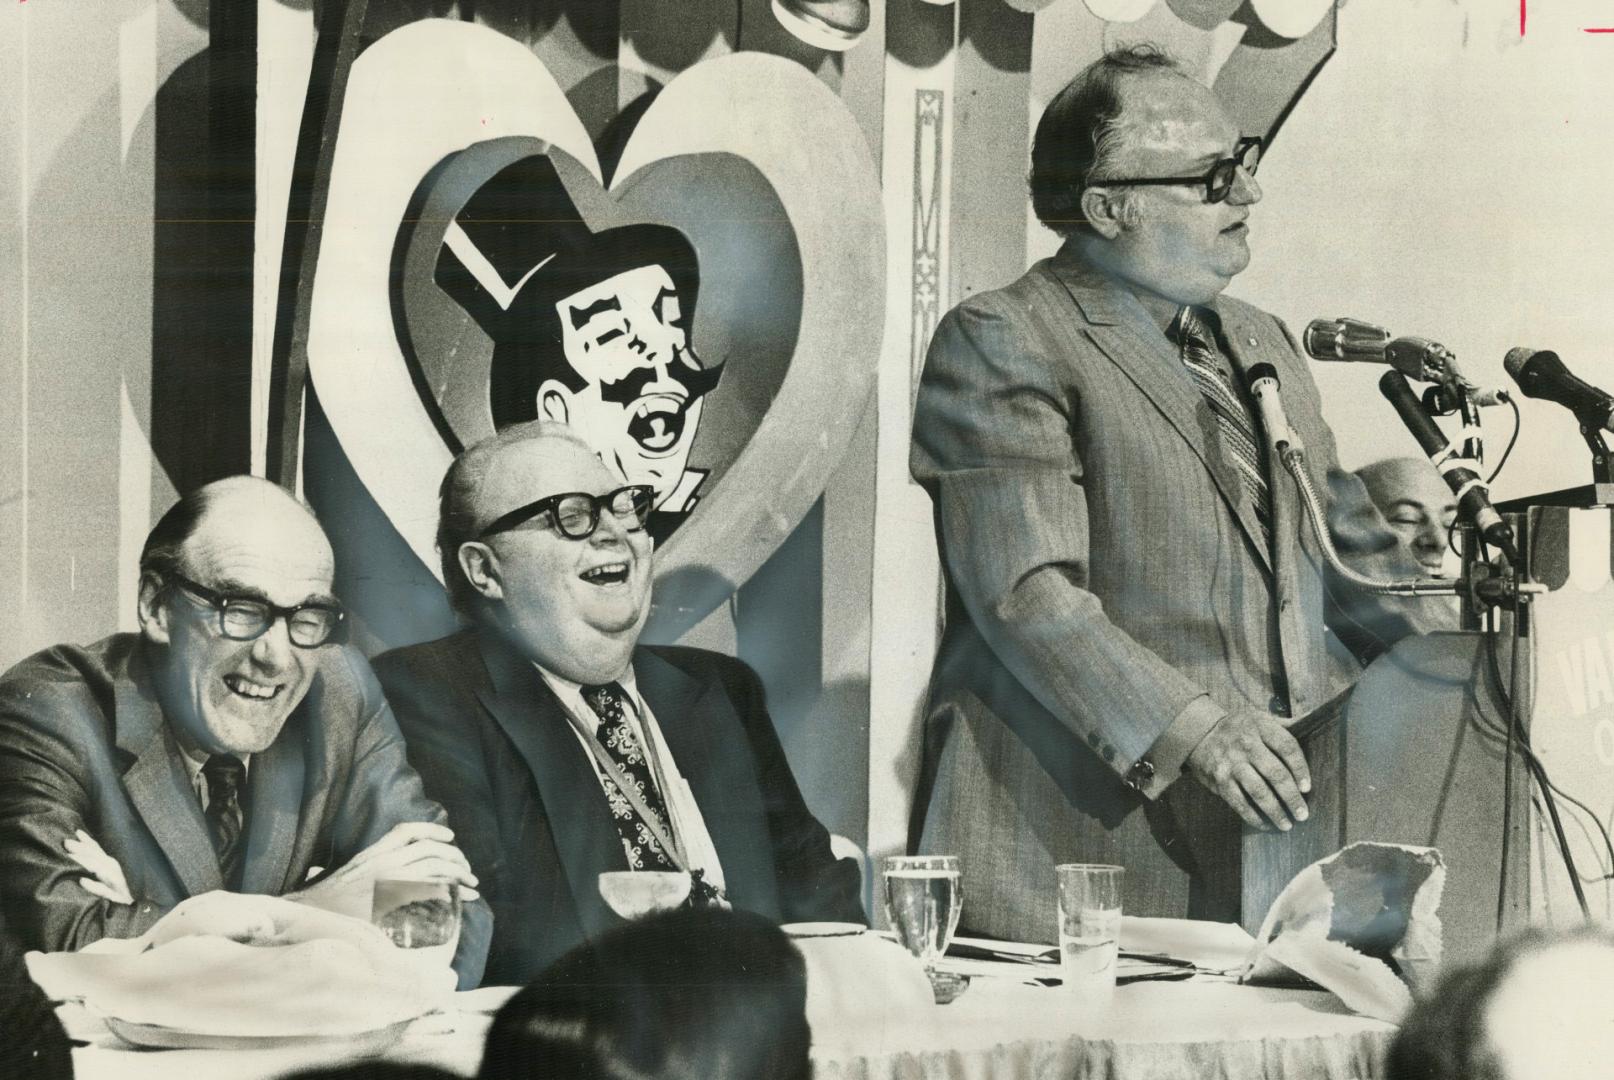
(922, 903)
(1089, 929)
(417, 914)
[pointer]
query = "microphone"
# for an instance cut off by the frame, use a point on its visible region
(1461, 477)
(1262, 379)
(1542, 375)
(1356, 342)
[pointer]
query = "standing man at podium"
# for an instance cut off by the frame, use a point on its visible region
(1136, 607)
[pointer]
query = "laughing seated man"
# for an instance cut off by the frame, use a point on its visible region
(562, 748)
(232, 744)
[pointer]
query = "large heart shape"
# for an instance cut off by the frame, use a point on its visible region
(435, 87)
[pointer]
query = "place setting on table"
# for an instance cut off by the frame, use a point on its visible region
(255, 986)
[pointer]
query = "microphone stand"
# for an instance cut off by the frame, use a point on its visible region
(1480, 582)
(1598, 493)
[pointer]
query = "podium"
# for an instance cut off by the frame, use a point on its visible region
(1416, 754)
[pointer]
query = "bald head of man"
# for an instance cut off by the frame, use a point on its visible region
(1420, 508)
(235, 600)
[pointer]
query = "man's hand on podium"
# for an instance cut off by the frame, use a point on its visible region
(1255, 765)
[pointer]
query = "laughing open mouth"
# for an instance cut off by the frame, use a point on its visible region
(242, 686)
(658, 422)
(612, 573)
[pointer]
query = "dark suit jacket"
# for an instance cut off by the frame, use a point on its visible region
(1105, 574)
(493, 745)
(83, 745)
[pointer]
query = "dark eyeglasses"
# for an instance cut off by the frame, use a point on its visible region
(243, 618)
(1218, 179)
(577, 513)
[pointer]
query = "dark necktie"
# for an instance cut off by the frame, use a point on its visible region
(1233, 419)
(224, 818)
(615, 734)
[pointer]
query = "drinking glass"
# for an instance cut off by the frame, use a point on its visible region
(1089, 929)
(417, 914)
(922, 903)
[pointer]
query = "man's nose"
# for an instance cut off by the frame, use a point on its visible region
(610, 529)
(1431, 536)
(272, 649)
(1245, 191)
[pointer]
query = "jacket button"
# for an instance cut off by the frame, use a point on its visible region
(1277, 706)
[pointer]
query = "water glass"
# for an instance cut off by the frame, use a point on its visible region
(923, 899)
(417, 914)
(1089, 929)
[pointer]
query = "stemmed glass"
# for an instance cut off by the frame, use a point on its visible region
(923, 899)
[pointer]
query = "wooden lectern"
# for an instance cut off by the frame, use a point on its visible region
(1415, 754)
(1412, 755)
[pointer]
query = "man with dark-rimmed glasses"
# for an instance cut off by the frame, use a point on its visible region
(233, 744)
(564, 749)
(1135, 608)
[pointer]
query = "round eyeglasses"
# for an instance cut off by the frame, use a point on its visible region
(246, 618)
(577, 513)
(1218, 179)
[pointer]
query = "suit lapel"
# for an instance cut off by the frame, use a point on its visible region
(1122, 329)
(274, 797)
(704, 736)
(159, 788)
(580, 824)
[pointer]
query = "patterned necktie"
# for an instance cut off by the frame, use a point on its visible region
(1233, 417)
(614, 733)
(224, 818)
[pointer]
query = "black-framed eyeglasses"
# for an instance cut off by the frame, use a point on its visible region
(577, 513)
(1218, 179)
(245, 618)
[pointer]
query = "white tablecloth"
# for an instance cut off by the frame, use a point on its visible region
(999, 1028)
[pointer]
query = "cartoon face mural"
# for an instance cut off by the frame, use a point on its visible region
(589, 329)
(627, 339)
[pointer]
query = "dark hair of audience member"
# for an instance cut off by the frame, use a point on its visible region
(33, 1045)
(684, 995)
(371, 1069)
(1444, 1037)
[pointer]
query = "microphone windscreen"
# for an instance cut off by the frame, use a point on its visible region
(1515, 360)
(1261, 371)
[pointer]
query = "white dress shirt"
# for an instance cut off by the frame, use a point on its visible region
(688, 827)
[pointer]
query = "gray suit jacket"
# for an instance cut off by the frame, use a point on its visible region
(84, 745)
(1106, 573)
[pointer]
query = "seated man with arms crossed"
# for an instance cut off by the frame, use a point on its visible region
(529, 725)
(230, 744)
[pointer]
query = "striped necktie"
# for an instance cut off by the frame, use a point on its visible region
(224, 815)
(1233, 419)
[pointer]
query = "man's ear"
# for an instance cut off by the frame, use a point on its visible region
(1106, 211)
(150, 610)
(554, 402)
(481, 568)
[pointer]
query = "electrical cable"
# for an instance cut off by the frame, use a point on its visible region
(1507, 695)
(1518, 421)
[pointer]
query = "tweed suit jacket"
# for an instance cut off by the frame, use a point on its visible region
(1105, 573)
(84, 745)
(494, 745)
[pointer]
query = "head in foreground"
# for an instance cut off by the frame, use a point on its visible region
(1141, 167)
(1537, 1007)
(703, 994)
